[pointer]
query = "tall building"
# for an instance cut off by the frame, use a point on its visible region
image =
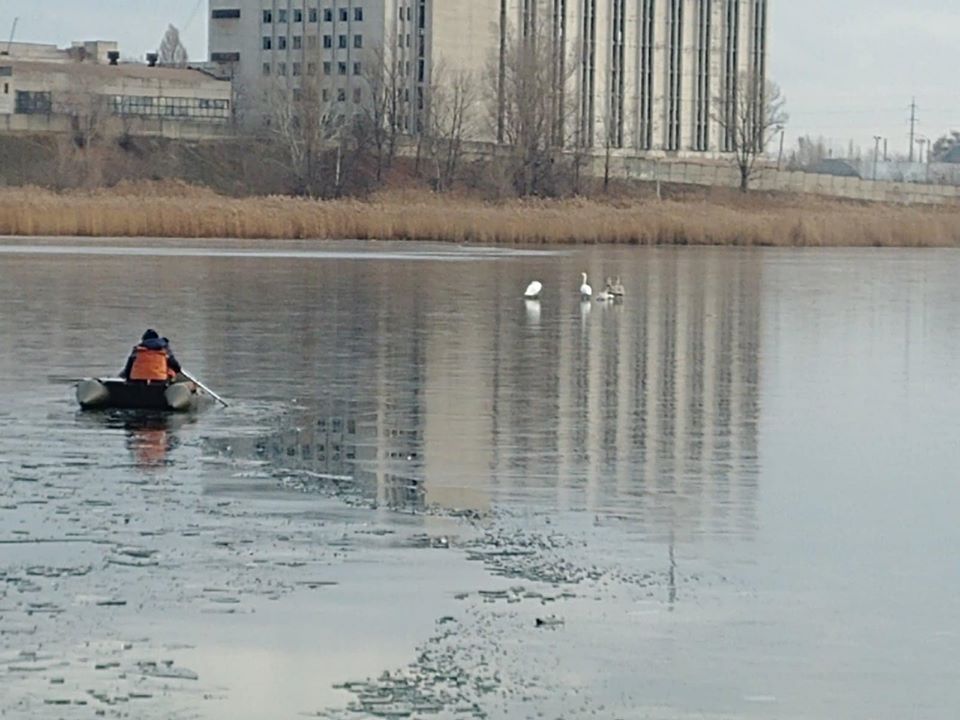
(266, 45)
(645, 75)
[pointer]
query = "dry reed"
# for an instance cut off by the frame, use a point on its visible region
(177, 210)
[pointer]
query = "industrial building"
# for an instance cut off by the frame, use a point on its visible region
(48, 89)
(641, 75)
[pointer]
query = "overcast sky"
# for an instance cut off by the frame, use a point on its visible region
(848, 68)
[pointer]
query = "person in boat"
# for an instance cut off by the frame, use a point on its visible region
(152, 360)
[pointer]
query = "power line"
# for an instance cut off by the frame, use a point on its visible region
(193, 15)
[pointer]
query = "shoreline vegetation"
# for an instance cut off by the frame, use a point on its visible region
(178, 210)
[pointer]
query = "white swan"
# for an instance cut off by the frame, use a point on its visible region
(533, 290)
(586, 292)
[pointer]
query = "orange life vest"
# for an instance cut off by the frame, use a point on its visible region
(150, 365)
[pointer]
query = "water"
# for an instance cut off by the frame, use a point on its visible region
(731, 496)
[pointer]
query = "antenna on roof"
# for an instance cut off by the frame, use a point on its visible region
(13, 31)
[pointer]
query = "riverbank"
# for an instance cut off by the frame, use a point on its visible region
(182, 211)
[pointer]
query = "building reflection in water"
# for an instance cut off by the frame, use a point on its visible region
(646, 410)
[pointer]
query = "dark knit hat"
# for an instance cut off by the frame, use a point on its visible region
(150, 335)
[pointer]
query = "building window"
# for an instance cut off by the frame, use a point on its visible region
(328, 41)
(282, 42)
(297, 95)
(267, 42)
(325, 94)
(33, 103)
(342, 42)
(281, 69)
(281, 16)
(358, 14)
(6, 88)
(328, 15)
(312, 42)
(225, 57)
(327, 68)
(343, 15)
(357, 96)
(758, 43)
(311, 69)
(225, 14)
(313, 15)
(646, 74)
(731, 66)
(703, 84)
(673, 99)
(357, 69)
(297, 42)
(298, 16)
(588, 67)
(266, 68)
(267, 16)
(341, 68)
(6, 71)
(341, 95)
(358, 41)
(296, 69)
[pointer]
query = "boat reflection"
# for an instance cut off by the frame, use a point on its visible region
(150, 436)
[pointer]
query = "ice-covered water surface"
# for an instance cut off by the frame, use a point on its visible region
(729, 495)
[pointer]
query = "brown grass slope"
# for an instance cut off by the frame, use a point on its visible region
(177, 210)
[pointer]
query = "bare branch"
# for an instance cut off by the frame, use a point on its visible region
(750, 113)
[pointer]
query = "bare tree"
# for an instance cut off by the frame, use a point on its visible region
(809, 151)
(303, 120)
(81, 154)
(89, 112)
(452, 105)
(380, 122)
(529, 108)
(750, 113)
(944, 145)
(172, 51)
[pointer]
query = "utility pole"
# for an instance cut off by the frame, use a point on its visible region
(885, 158)
(780, 154)
(876, 154)
(913, 125)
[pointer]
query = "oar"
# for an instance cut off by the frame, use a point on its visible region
(203, 387)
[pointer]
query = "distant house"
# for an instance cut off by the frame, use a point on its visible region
(833, 166)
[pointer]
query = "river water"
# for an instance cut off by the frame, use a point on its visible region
(732, 495)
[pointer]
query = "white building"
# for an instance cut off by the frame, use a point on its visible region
(268, 44)
(648, 72)
(47, 89)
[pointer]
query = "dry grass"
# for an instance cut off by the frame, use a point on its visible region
(178, 210)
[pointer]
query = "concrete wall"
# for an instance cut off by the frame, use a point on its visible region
(719, 175)
(116, 127)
